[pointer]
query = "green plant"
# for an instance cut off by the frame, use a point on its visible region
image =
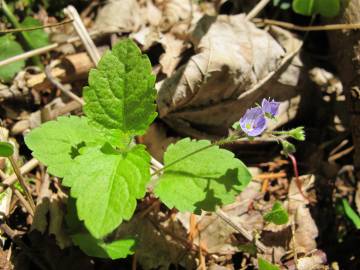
(327, 8)
(265, 265)
(107, 172)
(278, 215)
(29, 40)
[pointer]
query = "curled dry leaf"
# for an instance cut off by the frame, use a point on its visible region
(227, 74)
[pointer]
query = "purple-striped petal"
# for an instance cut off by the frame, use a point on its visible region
(270, 107)
(253, 123)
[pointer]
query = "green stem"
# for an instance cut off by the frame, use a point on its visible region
(24, 37)
(229, 139)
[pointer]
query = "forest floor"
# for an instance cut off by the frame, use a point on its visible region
(212, 60)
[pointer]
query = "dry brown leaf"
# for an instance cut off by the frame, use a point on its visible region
(119, 16)
(216, 235)
(228, 74)
(357, 197)
(175, 12)
(160, 243)
(173, 48)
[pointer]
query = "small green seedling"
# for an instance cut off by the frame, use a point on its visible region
(351, 214)
(278, 215)
(265, 265)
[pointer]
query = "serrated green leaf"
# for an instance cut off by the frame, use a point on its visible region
(207, 179)
(120, 96)
(106, 184)
(278, 215)
(265, 265)
(8, 48)
(38, 38)
(6, 149)
(56, 143)
(351, 214)
(98, 248)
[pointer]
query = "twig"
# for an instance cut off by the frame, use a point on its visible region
(241, 230)
(257, 9)
(341, 154)
(35, 27)
(56, 83)
(27, 167)
(290, 26)
(22, 182)
(83, 34)
(23, 201)
(41, 50)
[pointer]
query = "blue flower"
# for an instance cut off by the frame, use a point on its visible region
(270, 107)
(253, 123)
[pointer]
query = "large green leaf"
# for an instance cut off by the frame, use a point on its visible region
(120, 96)
(8, 48)
(203, 180)
(57, 143)
(106, 184)
(38, 38)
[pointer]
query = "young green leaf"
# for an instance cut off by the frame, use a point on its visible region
(6, 149)
(98, 248)
(304, 7)
(56, 143)
(326, 8)
(120, 96)
(278, 215)
(351, 214)
(8, 48)
(106, 184)
(203, 180)
(265, 265)
(37, 38)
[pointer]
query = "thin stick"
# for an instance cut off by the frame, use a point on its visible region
(257, 9)
(27, 167)
(55, 82)
(41, 50)
(241, 230)
(35, 27)
(23, 201)
(22, 182)
(290, 26)
(83, 34)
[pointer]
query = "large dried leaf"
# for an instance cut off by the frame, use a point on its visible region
(233, 59)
